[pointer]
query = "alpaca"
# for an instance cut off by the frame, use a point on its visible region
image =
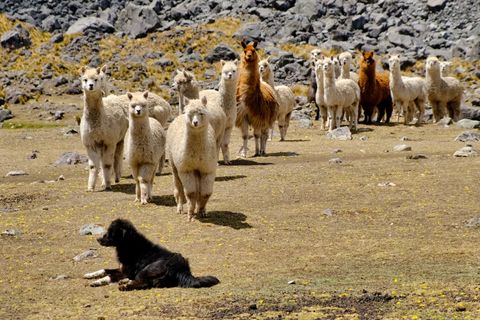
(102, 130)
(338, 68)
(225, 98)
(145, 145)
(284, 96)
(345, 59)
(406, 92)
(315, 54)
(443, 93)
(341, 95)
(257, 105)
(187, 86)
(445, 68)
(191, 149)
(319, 95)
(374, 89)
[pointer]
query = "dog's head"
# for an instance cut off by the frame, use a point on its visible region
(118, 232)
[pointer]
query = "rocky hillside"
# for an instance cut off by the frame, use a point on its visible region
(144, 41)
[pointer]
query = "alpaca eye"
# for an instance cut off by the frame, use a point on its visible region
(85, 80)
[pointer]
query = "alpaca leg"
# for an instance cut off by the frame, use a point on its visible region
(263, 142)
(437, 113)
(226, 141)
(317, 112)
(421, 110)
(146, 173)
(270, 136)
(442, 108)
(189, 181)
(107, 164)
(181, 102)
(404, 105)
(161, 164)
(281, 128)
(244, 148)
(389, 109)
(137, 183)
(287, 124)
(94, 166)
(338, 116)
(381, 113)
(117, 161)
(178, 190)
(257, 133)
(455, 107)
(331, 118)
(325, 123)
(206, 189)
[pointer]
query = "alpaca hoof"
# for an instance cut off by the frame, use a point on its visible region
(90, 190)
(202, 213)
(190, 218)
(109, 188)
(282, 139)
(144, 202)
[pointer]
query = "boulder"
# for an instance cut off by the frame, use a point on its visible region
(16, 38)
(221, 52)
(137, 21)
(90, 24)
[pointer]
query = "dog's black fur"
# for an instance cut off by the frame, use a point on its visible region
(146, 264)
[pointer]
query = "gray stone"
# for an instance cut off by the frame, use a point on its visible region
(402, 147)
(221, 52)
(305, 123)
(51, 23)
(363, 138)
(11, 232)
(436, 5)
(16, 38)
(250, 32)
(59, 277)
(342, 133)
(473, 222)
(91, 229)
(335, 161)
(444, 122)
(71, 158)
(466, 151)
(16, 173)
(58, 115)
(397, 38)
(89, 254)
(163, 62)
(328, 212)
(5, 114)
(468, 136)
(136, 21)
(468, 124)
(61, 80)
(358, 22)
(90, 24)
(386, 184)
(416, 156)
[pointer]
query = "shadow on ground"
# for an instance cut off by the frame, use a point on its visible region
(230, 219)
(246, 162)
(229, 178)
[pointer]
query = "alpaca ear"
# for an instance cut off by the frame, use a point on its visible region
(104, 68)
(82, 70)
(204, 101)
(129, 95)
(236, 62)
(99, 70)
(222, 62)
(255, 43)
(145, 94)
(185, 73)
(186, 100)
(244, 45)
(268, 59)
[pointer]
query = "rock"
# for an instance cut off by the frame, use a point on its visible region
(468, 124)
(444, 122)
(473, 222)
(70, 131)
(58, 115)
(250, 32)
(51, 23)
(328, 212)
(5, 114)
(466, 151)
(335, 161)
(16, 38)
(61, 177)
(363, 138)
(71, 158)
(468, 136)
(404, 139)
(89, 254)
(16, 173)
(93, 24)
(57, 38)
(33, 155)
(59, 277)
(436, 5)
(11, 232)
(91, 229)
(402, 147)
(358, 22)
(137, 21)
(61, 80)
(396, 37)
(221, 52)
(386, 184)
(416, 156)
(342, 133)
(305, 123)
(164, 62)
(337, 150)
(291, 282)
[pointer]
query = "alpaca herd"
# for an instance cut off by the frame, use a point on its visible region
(247, 97)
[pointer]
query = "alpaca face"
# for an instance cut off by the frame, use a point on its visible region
(319, 67)
(433, 65)
(92, 79)
(182, 80)
(264, 68)
(138, 104)
(367, 58)
(196, 113)
(394, 62)
(250, 52)
(345, 59)
(315, 54)
(229, 70)
(329, 67)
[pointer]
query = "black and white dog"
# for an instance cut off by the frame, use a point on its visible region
(144, 264)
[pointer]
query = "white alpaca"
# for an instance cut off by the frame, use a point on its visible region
(337, 67)
(445, 68)
(191, 148)
(342, 95)
(226, 99)
(443, 93)
(284, 96)
(102, 130)
(186, 85)
(345, 59)
(319, 94)
(407, 92)
(145, 145)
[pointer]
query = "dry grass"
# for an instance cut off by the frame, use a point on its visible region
(265, 227)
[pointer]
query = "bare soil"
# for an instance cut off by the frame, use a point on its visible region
(392, 252)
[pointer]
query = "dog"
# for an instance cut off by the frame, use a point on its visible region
(144, 264)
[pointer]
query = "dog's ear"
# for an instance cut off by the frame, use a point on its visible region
(244, 45)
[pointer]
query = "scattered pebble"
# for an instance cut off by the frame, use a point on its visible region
(405, 139)
(363, 138)
(70, 132)
(328, 212)
(468, 136)
(16, 173)
(291, 282)
(337, 150)
(445, 122)
(342, 133)
(89, 254)
(7, 210)
(252, 307)
(386, 184)
(71, 158)
(11, 232)
(91, 229)
(335, 161)
(473, 222)
(468, 124)
(33, 155)
(466, 151)
(416, 156)
(59, 277)
(60, 178)
(402, 147)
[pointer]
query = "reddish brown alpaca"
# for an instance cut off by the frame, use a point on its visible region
(374, 90)
(256, 102)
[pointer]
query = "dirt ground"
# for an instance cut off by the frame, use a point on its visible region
(394, 252)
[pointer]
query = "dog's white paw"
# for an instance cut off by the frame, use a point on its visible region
(95, 274)
(101, 282)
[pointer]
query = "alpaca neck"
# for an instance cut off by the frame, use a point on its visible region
(139, 126)
(396, 77)
(319, 80)
(329, 84)
(195, 137)
(227, 90)
(433, 75)
(190, 91)
(93, 105)
(269, 78)
(345, 71)
(251, 74)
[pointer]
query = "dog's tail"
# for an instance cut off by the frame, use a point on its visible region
(187, 280)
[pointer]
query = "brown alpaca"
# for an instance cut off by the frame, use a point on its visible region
(256, 102)
(374, 90)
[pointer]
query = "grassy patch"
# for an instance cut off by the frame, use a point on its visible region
(30, 125)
